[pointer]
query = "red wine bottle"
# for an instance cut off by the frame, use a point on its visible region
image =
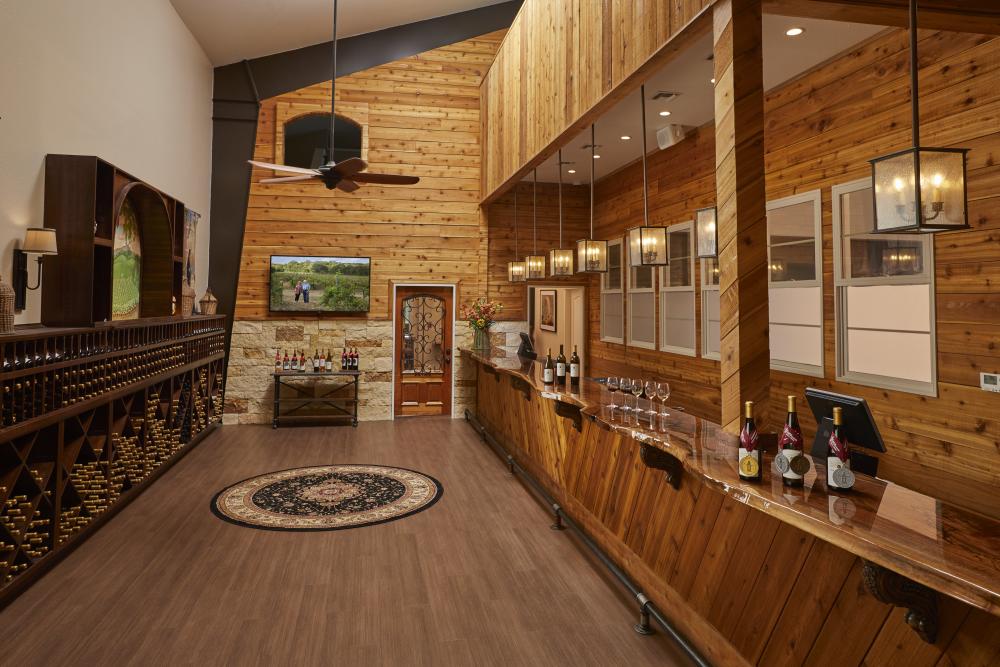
(839, 475)
(561, 367)
(790, 462)
(574, 369)
(750, 461)
(343, 359)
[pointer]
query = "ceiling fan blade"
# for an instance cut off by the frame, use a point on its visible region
(386, 179)
(350, 166)
(289, 179)
(347, 185)
(285, 168)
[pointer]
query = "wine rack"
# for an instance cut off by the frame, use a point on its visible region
(88, 417)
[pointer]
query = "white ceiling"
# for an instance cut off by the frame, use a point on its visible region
(233, 30)
(690, 75)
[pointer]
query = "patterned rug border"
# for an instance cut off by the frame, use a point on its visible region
(215, 510)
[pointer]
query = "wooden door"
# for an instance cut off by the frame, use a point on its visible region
(422, 367)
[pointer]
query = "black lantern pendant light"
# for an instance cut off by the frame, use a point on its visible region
(647, 245)
(560, 259)
(920, 189)
(516, 269)
(592, 255)
(534, 263)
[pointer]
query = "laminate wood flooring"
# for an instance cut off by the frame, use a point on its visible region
(477, 579)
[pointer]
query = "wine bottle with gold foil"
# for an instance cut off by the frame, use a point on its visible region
(789, 461)
(750, 462)
(548, 371)
(839, 476)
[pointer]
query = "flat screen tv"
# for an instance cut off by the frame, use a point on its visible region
(320, 284)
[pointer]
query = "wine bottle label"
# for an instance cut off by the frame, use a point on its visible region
(749, 462)
(547, 376)
(838, 473)
(574, 370)
(561, 369)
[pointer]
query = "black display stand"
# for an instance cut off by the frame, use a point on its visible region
(322, 400)
(860, 462)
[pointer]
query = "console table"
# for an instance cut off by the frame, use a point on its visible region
(301, 396)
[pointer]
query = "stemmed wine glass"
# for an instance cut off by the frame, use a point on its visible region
(637, 392)
(650, 390)
(626, 386)
(663, 392)
(612, 386)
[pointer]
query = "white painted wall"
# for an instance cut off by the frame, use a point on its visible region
(121, 79)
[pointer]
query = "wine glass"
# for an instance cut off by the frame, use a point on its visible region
(650, 391)
(626, 387)
(612, 386)
(663, 393)
(637, 385)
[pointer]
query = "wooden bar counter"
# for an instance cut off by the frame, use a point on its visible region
(754, 573)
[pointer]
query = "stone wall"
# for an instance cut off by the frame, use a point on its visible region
(250, 387)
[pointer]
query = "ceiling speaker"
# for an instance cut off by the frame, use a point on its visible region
(670, 135)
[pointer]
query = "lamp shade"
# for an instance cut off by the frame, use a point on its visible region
(647, 246)
(591, 256)
(707, 230)
(515, 272)
(560, 262)
(938, 205)
(40, 240)
(535, 267)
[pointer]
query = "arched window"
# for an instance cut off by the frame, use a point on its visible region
(307, 140)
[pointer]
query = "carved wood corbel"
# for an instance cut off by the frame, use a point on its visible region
(895, 589)
(656, 458)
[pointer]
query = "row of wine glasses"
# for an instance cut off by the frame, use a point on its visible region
(653, 390)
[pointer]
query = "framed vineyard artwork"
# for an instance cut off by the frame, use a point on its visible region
(126, 271)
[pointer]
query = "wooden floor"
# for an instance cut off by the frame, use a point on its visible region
(477, 579)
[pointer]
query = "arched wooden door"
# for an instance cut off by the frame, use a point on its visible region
(422, 367)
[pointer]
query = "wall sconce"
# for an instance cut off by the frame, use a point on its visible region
(39, 241)
(919, 189)
(707, 231)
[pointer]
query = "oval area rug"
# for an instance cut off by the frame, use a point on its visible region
(332, 497)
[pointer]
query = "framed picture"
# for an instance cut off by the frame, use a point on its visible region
(547, 310)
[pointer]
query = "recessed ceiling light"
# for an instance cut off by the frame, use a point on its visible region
(664, 113)
(625, 137)
(713, 79)
(597, 157)
(794, 32)
(572, 171)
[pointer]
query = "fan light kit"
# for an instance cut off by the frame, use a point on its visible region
(560, 259)
(344, 175)
(534, 263)
(591, 255)
(647, 244)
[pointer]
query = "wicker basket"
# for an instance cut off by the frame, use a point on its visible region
(208, 303)
(6, 307)
(188, 297)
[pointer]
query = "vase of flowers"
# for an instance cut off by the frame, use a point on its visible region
(481, 315)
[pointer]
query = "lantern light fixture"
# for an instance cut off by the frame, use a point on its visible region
(647, 244)
(560, 259)
(707, 232)
(534, 263)
(516, 270)
(920, 189)
(592, 255)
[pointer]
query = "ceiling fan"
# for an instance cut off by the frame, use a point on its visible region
(345, 175)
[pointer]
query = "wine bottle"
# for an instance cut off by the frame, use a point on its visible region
(343, 359)
(561, 367)
(302, 361)
(548, 371)
(356, 360)
(574, 369)
(750, 466)
(789, 461)
(315, 361)
(839, 475)
(277, 361)
(329, 361)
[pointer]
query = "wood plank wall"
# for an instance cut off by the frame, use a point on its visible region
(558, 61)
(783, 597)
(422, 115)
(500, 214)
(820, 131)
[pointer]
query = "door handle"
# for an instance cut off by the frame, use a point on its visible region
(447, 354)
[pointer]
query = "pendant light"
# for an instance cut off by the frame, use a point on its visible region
(534, 263)
(647, 245)
(560, 259)
(920, 189)
(515, 269)
(591, 255)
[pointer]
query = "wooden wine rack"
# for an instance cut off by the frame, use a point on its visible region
(90, 416)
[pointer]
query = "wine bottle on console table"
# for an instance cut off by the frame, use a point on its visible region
(574, 369)
(277, 361)
(329, 361)
(355, 359)
(549, 370)
(302, 361)
(789, 461)
(343, 359)
(315, 361)
(750, 460)
(561, 367)
(285, 363)
(839, 476)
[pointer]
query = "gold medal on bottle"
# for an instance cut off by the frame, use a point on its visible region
(749, 466)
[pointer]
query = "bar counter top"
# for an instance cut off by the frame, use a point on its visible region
(947, 548)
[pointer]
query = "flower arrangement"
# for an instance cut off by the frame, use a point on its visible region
(481, 315)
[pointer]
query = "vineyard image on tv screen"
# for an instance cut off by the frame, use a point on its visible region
(320, 284)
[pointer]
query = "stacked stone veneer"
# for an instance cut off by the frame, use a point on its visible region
(250, 387)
